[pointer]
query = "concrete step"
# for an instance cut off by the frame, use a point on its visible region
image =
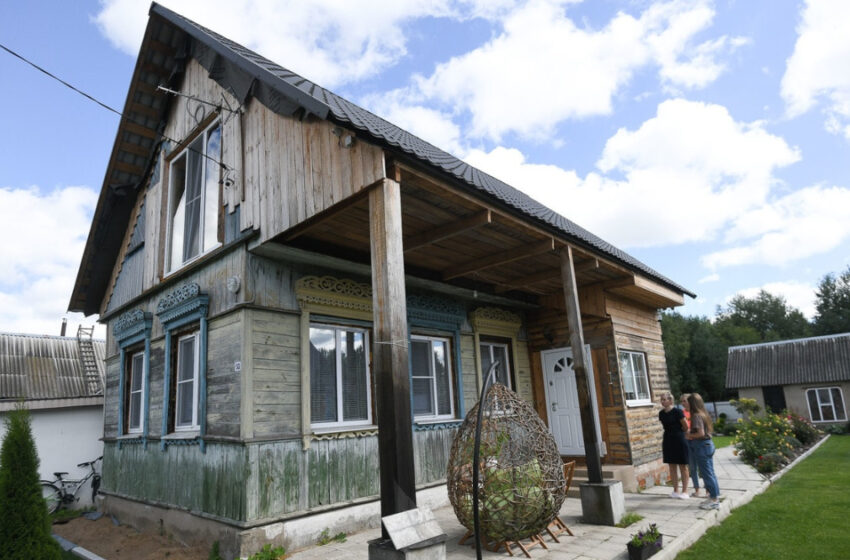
(623, 473)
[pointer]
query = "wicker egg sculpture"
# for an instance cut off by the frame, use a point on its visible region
(521, 476)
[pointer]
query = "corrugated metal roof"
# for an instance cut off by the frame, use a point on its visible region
(44, 367)
(327, 104)
(822, 359)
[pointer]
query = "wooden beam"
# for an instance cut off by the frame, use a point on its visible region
(129, 168)
(130, 126)
(588, 420)
(134, 149)
(498, 259)
(552, 274)
(449, 230)
(390, 352)
(322, 217)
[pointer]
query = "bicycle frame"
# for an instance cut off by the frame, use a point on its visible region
(61, 490)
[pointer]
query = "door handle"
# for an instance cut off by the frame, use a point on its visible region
(554, 407)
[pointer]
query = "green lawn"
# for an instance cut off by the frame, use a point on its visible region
(802, 515)
(722, 441)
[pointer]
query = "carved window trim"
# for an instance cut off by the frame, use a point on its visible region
(133, 329)
(493, 322)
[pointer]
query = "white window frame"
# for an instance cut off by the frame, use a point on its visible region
(195, 425)
(202, 226)
(507, 365)
(633, 355)
(338, 329)
(433, 377)
(141, 392)
(831, 404)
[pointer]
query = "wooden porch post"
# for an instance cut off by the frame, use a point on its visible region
(390, 363)
(588, 420)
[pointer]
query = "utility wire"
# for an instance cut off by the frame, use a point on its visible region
(108, 108)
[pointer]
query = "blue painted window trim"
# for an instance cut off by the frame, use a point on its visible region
(432, 312)
(184, 306)
(130, 329)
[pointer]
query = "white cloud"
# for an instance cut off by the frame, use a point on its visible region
(327, 41)
(677, 185)
(815, 71)
(796, 294)
(807, 222)
(543, 68)
(710, 278)
(45, 234)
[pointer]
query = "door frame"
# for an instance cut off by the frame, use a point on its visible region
(591, 381)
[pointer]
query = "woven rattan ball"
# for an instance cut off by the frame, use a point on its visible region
(521, 478)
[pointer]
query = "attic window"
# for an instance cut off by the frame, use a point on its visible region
(193, 201)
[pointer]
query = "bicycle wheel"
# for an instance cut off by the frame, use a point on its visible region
(52, 496)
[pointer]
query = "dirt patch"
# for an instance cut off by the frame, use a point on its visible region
(119, 542)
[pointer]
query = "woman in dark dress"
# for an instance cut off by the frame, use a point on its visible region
(674, 446)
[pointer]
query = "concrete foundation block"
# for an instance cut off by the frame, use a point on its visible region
(383, 549)
(602, 503)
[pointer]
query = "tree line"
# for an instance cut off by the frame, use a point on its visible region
(697, 347)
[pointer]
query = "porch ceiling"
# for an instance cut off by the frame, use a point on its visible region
(452, 237)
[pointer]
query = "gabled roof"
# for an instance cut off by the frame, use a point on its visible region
(42, 367)
(822, 359)
(245, 73)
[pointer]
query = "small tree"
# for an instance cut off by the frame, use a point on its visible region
(24, 523)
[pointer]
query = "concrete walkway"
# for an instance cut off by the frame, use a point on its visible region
(681, 522)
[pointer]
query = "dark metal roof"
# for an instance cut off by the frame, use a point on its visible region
(44, 367)
(326, 104)
(245, 73)
(822, 359)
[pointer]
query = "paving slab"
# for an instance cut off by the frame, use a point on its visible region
(681, 521)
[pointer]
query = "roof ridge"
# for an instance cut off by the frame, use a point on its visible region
(789, 341)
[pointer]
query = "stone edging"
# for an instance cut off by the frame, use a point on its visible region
(700, 526)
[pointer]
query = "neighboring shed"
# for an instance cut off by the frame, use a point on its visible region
(60, 381)
(809, 376)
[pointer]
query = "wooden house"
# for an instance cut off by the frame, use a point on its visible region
(809, 376)
(269, 258)
(59, 380)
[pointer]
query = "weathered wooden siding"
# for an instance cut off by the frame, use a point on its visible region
(548, 329)
(470, 372)
(275, 341)
(294, 169)
(183, 477)
(223, 381)
(637, 328)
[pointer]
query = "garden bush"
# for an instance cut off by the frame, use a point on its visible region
(762, 435)
(803, 429)
(24, 523)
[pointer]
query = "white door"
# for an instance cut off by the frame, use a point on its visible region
(559, 381)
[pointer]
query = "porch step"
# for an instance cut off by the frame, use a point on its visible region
(623, 473)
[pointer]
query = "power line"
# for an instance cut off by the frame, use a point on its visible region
(108, 108)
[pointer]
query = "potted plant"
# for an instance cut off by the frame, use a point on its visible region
(644, 543)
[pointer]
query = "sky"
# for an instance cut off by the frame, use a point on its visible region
(708, 139)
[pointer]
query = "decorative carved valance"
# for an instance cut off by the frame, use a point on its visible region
(184, 304)
(334, 296)
(439, 311)
(132, 327)
(492, 320)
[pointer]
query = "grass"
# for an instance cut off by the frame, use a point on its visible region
(722, 441)
(802, 515)
(629, 518)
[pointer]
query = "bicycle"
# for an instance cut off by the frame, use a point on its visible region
(62, 491)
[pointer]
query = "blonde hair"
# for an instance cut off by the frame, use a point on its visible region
(697, 406)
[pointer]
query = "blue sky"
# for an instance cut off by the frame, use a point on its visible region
(707, 139)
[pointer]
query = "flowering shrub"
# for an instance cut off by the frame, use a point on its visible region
(646, 538)
(804, 430)
(770, 462)
(763, 435)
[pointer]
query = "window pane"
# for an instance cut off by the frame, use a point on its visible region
(136, 372)
(185, 394)
(420, 359)
(641, 382)
(422, 401)
(135, 411)
(500, 353)
(486, 359)
(191, 235)
(441, 371)
(355, 387)
(838, 402)
(211, 179)
(813, 404)
(178, 210)
(322, 375)
(628, 376)
(186, 358)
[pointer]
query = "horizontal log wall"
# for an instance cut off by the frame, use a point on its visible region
(636, 328)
